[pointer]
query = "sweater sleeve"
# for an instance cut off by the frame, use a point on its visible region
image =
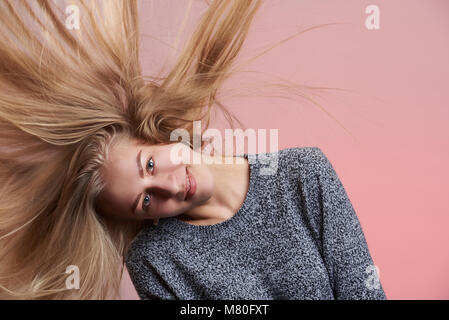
(345, 250)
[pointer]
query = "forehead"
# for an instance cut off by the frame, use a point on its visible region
(121, 161)
(120, 174)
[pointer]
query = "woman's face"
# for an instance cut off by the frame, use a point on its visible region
(142, 181)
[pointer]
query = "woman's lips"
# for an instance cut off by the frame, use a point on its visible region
(192, 183)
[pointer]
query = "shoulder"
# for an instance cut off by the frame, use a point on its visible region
(302, 155)
(289, 168)
(310, 165)
(300, 160)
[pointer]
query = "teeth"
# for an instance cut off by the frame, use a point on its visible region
(188, 183)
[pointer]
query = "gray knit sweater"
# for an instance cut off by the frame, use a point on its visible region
(296, 236)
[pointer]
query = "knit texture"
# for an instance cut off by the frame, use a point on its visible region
(296, 236)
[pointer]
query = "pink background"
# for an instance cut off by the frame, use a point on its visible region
(394, 165)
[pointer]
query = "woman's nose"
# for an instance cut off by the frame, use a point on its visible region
(166, 185)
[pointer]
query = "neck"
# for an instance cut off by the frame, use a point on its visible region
(231, 182)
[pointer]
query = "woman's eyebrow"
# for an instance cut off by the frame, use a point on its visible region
(139, 167)
(139, 163)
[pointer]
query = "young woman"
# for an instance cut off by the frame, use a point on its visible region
(87, 177)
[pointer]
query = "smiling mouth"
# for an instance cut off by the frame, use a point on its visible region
(191, 185)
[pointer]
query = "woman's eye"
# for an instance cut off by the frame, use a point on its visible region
(150, 164)
(146, 201)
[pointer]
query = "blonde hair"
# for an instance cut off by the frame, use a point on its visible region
(66, 96)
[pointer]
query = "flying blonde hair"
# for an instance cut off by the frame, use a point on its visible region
(66, 96)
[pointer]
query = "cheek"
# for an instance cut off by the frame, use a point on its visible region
(205, 189)
(204, 181)
(170, 207)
